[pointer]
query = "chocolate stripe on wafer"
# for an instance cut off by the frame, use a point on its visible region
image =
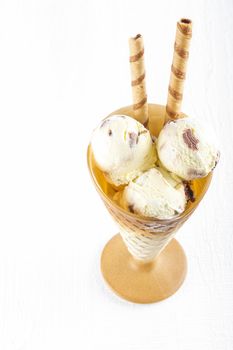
(178, 73)
(170, 113)
(181, 52)
(175, 93)
(138, 80)
(135, 58)
(140, 104)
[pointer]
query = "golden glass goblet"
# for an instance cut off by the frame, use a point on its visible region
(144, 263)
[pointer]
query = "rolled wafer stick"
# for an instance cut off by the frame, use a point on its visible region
(178, 68)
(138, 83)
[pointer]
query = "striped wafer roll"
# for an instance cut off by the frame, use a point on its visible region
(138, 79)
(179, 67)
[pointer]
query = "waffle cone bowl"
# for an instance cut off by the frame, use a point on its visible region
(144, 263)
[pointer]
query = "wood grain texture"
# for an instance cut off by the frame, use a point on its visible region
(64, 66)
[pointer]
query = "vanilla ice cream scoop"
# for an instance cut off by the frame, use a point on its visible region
(186, 150)
(122, 148)
(153, 195)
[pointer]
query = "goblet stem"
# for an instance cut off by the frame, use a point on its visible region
(144, 246)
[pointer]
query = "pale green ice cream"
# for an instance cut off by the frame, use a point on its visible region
(186, 150)
(154, 195)
(122, 148)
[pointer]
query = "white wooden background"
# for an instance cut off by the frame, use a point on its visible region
(64, 66)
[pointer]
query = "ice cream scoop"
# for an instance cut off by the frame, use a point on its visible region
(186, 150)
(122, 148)
(154, 195)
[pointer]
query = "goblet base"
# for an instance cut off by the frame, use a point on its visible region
(143, 282)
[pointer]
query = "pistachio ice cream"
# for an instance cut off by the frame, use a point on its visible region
(186, 150)
(122, 148)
